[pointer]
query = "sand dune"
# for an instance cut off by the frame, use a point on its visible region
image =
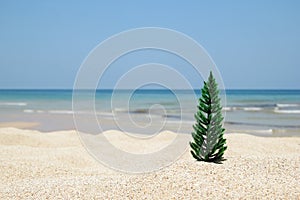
(55, 165)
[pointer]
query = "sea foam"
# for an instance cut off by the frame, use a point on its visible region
(276, 110)
(282, 105)
(13, 103)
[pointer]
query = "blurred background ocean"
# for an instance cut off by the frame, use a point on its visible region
(259, 112)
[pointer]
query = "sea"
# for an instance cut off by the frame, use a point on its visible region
(147, 111)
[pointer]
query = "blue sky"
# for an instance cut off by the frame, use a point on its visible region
(255, 44)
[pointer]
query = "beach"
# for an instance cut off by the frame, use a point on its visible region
(43, 156)
(55, 165)
(149, 100)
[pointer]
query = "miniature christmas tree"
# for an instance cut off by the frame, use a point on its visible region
(209, 144)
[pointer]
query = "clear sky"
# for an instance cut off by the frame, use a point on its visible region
(255, 44)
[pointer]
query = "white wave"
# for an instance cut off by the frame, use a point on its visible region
(261, 131)
(276, 110)
(268, 131)
(61, 111)
(229, 108)
(13, 103)
(226, 108)
(28, 111)
(252, 109)
(264, 131)
(33, 111)
(282, 105)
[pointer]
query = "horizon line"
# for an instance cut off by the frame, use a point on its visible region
(145, 89)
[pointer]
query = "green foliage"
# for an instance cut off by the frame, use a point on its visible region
(209, 144)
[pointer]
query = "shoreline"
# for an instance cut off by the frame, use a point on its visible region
(18, 124)
(55, 164)
(267, 132)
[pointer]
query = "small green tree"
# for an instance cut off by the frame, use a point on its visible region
(209, 144)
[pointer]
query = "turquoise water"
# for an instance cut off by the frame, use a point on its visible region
(261, 112)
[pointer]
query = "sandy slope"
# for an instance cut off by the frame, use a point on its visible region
(55, 165)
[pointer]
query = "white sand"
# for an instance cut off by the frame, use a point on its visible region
(36, 165)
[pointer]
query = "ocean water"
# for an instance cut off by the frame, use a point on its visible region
(259, 112)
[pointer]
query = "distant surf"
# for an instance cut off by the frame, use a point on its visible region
(259, 111)
(13, 104)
